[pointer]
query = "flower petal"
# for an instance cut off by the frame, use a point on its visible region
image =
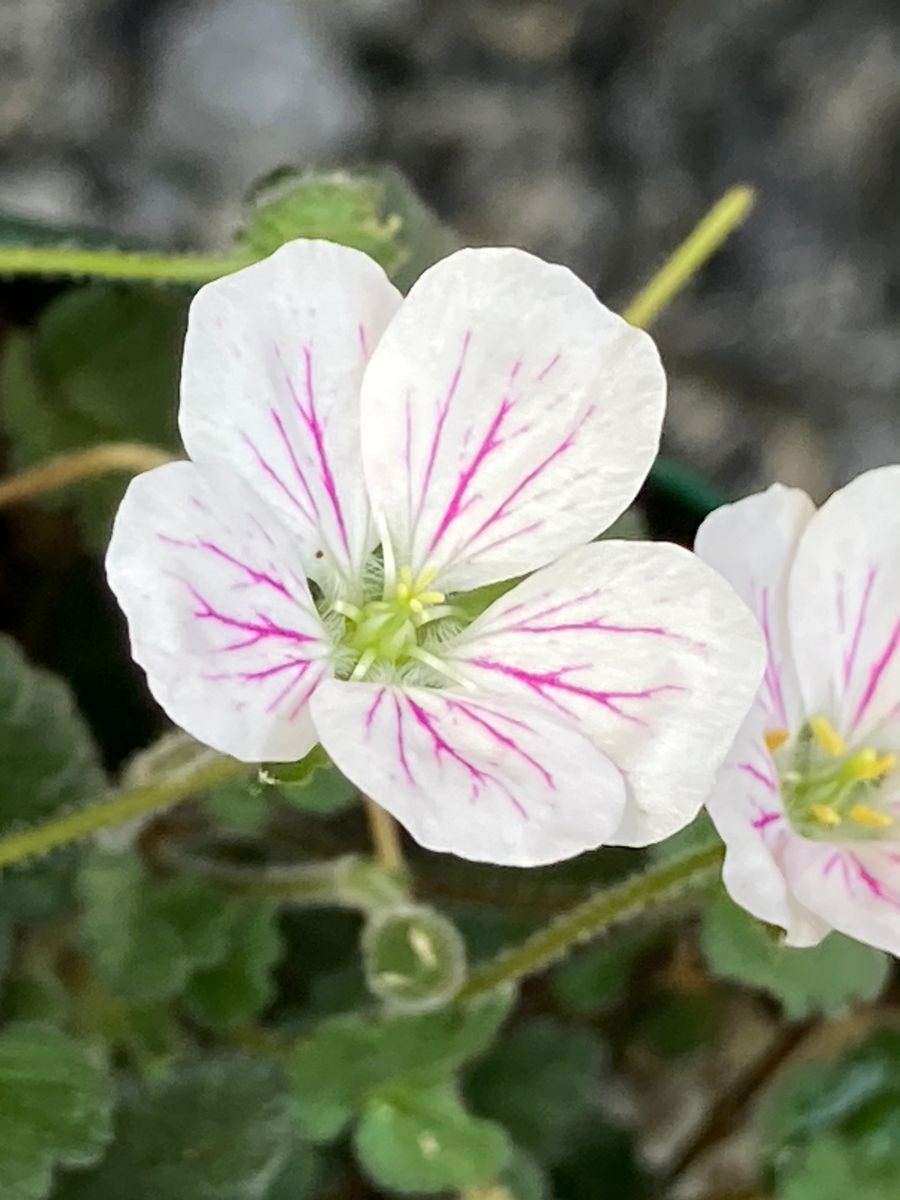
(219, 612)
(473, 774)
(856, 889)
(844, 609)
(506, 416)
(747, 810)
(752, 543)
(647, 648)
(273, 361)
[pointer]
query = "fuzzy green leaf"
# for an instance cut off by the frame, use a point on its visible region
(541, 1082)
(146, 936)
(240, 985)
(101, 365)
(828, 978)
(217, 1131)
(55, 1106)
(49, 765)
(347, 1059)
(421, 1139)
(834, 1168)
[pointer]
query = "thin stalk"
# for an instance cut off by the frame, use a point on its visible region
(123, 806)
(129, 266)
(594, 916)
(66, 469)
(698, 247)
(386, 844)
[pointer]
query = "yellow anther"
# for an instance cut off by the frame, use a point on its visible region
(403, 591)
(828, 737)
(825, 815)
(776, 738)
(406, 577)
(869, 765)
(432, 597)
(415, 605)
(862, 814)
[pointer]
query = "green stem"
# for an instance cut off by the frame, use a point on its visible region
(693, 253)
(131, 266)
(135, 802)
(597, 914)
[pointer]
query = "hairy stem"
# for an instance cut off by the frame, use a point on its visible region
(594, 916)
(59, 472)
(132, 266)
(122, 806)
(699, 246)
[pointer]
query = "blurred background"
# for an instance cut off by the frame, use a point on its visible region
(594, 132)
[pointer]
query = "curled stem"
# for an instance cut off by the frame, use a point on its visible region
(131, 266)
(699, 246)
(59, 472)
(594, 916)
(120, 807)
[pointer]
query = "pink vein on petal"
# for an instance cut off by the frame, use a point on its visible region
(443, 411)
(875, 673)
(851, 653)
(760, 776)
(440, 745)
(772, 676)
(546, 683)
(502, 510)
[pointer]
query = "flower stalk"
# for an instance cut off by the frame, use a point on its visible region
(66, 469)
(698, 247)
(118, 808)
(592, 917)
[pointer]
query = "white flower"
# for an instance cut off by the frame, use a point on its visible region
(809, 800)
(395, 453)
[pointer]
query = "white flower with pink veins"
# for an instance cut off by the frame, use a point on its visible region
(808, 802)
(358, 461)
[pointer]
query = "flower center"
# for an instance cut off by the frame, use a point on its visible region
(831, 791)
(389, 632)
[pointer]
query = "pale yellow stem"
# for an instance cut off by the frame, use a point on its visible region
(699, 246)
(131, 457)
(385, 838)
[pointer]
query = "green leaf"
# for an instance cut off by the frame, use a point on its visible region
(148, 936)
(239, 986)
(347, 1059)
(828, 978)
(100, 366)
(217, 1131)
(299, 1178)
(55, 1105)
(421, 1139)
(595, 978)
(371, 210)
(834, 1168)
(49, 765)
(857, 1097)
(541, 1082)
(313, 784)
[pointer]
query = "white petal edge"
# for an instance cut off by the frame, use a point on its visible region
(507, 416)
(844, 609)
(647, 648)
(854, 889)
(273, 362)
(471, 774)
(219, 612)
(752, 544)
